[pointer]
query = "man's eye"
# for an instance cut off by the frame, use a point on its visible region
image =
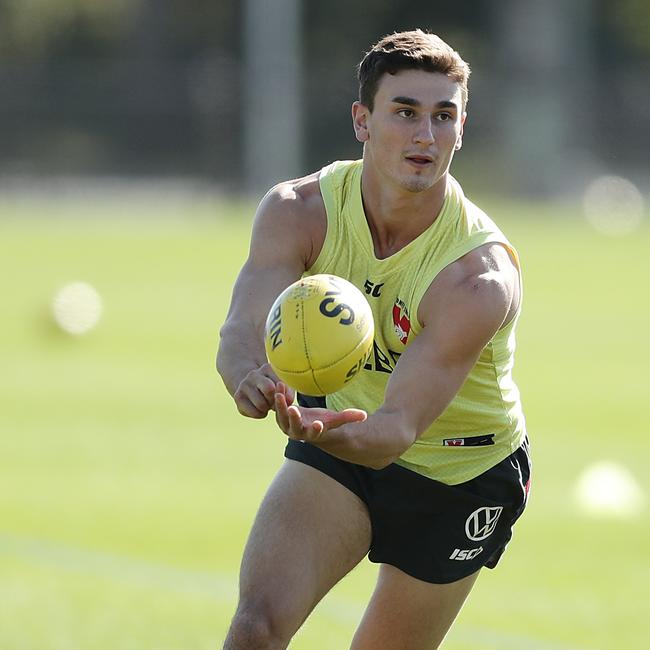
(405, 112)
(444, 117)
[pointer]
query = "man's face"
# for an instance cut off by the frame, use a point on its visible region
(414, 128)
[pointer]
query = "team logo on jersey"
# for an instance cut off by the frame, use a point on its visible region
(401, 320)
(482, 522)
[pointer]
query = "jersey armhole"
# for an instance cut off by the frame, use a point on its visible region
(469, 245)
(329, 197)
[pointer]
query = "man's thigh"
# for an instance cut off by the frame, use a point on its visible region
(408, 614)
(309, 532)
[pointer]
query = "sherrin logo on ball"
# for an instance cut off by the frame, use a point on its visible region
(318, 334)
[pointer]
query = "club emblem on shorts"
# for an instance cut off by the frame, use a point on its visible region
(482, 522)
(401, 320)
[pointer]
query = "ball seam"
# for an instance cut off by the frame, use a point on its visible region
(306, 345)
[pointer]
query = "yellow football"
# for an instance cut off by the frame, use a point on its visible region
(319, 333)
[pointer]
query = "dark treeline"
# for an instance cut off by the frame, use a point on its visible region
(156, 87)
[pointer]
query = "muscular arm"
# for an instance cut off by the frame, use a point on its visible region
(288, 231)
(462, 310)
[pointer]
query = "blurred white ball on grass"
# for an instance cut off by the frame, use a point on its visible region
(608, 489)
(613, 205)
(77, 308)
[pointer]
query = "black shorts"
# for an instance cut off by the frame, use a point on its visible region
(434, 532)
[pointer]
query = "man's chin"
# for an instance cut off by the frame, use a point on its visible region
(416, 185)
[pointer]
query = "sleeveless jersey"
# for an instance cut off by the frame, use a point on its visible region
(484, 422)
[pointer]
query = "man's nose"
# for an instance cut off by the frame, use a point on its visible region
(424, 132)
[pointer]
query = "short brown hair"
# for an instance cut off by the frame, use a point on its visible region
(415, 50)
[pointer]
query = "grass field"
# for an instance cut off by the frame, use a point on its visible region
(128, 482)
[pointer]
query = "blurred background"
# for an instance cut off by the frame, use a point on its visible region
(241, 94)
(136, 137)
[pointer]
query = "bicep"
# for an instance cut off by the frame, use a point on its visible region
(459, 324)
(279, 248)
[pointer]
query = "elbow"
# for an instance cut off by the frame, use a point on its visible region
(224, 365)
(222, 371)
(226, 342)
(219, 362)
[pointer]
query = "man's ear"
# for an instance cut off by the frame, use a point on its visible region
(360, 114)
(459, 139)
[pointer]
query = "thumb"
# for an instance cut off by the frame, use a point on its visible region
(347, 416)
(354, 415)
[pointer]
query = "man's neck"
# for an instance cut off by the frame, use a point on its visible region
(396, 216)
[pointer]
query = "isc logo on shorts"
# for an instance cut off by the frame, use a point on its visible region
(466, 553)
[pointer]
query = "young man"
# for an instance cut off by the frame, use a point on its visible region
(422, 461)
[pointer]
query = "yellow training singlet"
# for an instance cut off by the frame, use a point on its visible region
(484, 423)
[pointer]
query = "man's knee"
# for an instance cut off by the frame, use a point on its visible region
(256, 626)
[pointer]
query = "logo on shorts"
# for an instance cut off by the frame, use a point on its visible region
(482, 522)
(465, 553)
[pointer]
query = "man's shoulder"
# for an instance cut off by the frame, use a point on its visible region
(306, 192)
(300, 196)
(294, 210)
(485, 277)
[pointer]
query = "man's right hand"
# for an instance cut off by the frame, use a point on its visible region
(255, 395)
(288, 233)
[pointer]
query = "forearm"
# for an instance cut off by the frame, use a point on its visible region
(376, 442)
(241, 350)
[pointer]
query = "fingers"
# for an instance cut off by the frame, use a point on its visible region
(247, 408)
(255, 396)
(300, 429)
(288, 392)
(252, 400)
(290, 420)
(261, 391)
(281, 411)
(356, 415)
(346, 416)
(265, 390)
(296, 426)
(309, 424)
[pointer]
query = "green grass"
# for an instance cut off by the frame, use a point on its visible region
(128, 482)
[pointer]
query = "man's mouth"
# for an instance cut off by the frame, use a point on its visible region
(420, 160)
